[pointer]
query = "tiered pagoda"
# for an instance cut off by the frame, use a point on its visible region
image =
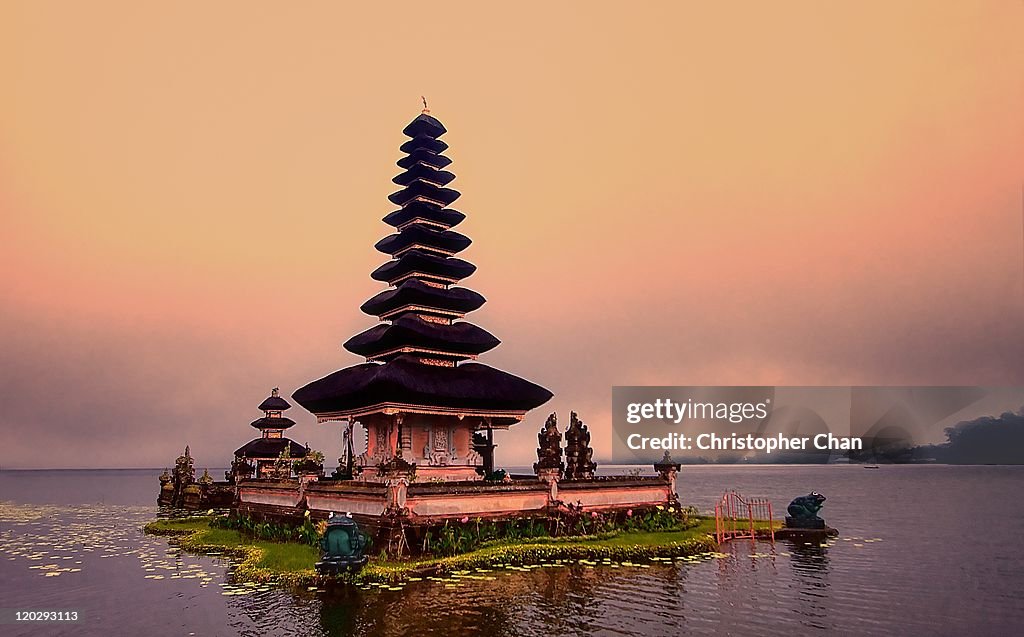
(420, 394)
(263, 452)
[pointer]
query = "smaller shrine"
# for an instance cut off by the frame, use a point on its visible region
(271, 455)
(173, 484)
(180, 489)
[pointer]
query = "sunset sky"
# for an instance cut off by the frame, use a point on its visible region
(659, 194)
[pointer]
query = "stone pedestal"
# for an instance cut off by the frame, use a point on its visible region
(191, 496)
(804, 523)
(397, 492)
(550, 476)
(668, 469)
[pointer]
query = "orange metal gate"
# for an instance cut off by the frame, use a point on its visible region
(737, 517)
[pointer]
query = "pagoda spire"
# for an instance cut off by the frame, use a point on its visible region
(419, 357)
(272, 424)
(421, 312)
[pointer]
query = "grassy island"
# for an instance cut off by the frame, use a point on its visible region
(292, 562)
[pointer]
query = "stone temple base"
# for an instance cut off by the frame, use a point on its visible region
(802, 523)
(395, 507)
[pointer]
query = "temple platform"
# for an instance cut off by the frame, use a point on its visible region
(383, 507)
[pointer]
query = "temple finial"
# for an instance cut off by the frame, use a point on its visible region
(426, 110)
(274, 391)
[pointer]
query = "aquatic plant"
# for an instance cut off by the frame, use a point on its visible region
(308, 532)
(313, 462)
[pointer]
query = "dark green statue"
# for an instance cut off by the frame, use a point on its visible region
(342, 546)
(803, 512)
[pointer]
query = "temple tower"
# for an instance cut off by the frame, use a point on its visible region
(262, 453)
(420, 394)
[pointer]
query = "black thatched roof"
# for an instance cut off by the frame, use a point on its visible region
(423, 189)
(419, 171)
(270, 448)
(423, 141)
(278, 422)
(423, 210)
(423, 156)
(274, 403)
(424, 125)
(405, 380)
(413, 292)
(448, 240)
(419, 261)
(412, 331)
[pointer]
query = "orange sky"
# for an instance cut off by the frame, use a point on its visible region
(658, 193)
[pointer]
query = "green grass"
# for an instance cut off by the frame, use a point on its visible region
(292, 562)
(261, 561)
(287, 557)
(656, 538)
(620, 546)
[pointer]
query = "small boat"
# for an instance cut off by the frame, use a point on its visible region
(871, 466)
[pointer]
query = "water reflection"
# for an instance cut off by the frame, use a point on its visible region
(810, 567)
(934, 571)
(706, 596)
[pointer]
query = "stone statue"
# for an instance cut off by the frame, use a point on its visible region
(342, 546)
(549, 453)
(182, 476)
(803, 512)
(282, 469)
(241, 469)
(166, 497)
(184, 473)
(587, 467)
(179, 488)
(579, 464)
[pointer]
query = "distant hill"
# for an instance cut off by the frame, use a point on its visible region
(986, 440)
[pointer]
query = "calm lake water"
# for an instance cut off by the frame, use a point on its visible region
(923, 550)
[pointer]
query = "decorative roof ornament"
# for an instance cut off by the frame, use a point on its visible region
(426, 110)
(274, 404)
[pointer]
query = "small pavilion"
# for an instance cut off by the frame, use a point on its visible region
(263, 453)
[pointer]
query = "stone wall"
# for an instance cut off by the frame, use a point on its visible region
(419, 502)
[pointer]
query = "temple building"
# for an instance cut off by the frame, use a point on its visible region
(422, 398)
(260, 456)
(428, 408)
